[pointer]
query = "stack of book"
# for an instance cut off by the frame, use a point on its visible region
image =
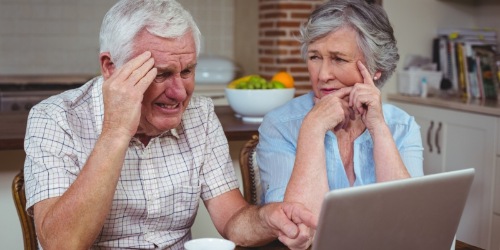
(468, 59)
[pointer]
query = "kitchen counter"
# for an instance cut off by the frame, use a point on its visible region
(485, 107)
(13, 127)
(44, 79)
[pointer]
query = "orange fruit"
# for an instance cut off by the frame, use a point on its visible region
(285, 78)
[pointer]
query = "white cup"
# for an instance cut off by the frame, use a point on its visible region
(209, 244)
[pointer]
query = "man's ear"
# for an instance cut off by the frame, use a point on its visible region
(107, 66)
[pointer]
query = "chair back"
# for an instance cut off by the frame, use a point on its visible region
(27, 223)
(252, 190)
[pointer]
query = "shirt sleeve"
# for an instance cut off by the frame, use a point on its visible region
(276, 156)
(50, 166)
(411, 149)
(218, 174)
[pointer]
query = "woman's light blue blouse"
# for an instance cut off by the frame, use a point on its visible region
(277, 146)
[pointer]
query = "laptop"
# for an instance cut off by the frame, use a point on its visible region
(415, 213)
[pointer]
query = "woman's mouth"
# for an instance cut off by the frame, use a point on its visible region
(327, 91)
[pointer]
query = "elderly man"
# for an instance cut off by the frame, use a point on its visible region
(122, 161)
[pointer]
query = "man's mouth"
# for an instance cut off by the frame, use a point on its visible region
(167, 106)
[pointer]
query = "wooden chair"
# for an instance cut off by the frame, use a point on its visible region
(27, 223)
(250, 172)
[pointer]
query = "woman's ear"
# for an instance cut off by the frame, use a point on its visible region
(377, 75)
(107, 66)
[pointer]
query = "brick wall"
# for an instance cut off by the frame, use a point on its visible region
(279, 22)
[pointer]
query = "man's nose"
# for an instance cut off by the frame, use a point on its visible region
(175, 89)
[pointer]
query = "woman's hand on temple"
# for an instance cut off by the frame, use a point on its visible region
(365, 99)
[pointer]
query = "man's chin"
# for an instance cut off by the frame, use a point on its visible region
(160, 126)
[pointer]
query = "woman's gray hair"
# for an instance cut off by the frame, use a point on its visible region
(374, 31)
(163, 18)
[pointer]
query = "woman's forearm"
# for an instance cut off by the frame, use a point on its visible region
(388, 162)
(308, 182)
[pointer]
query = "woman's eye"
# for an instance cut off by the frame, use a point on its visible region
(313, 57)
(338, 59)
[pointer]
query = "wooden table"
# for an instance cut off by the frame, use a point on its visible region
(276, 245)
(13, 127)
(12, 130)
(234, 128)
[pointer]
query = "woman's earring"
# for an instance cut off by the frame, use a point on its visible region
(375, 78)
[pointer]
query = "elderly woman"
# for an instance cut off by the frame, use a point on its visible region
(340, 134)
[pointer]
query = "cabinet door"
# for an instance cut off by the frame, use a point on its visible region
(430, 130)
(495, 231)
(464, 140)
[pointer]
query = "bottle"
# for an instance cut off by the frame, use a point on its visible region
(423, 87)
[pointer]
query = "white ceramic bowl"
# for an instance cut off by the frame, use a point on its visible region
(253, 104)
(209, 244)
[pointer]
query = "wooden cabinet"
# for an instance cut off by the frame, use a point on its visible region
(456, 140)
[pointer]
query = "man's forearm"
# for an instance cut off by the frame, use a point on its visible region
(74, 220)
(249, 228)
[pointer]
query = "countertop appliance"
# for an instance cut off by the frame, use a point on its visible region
(19, 93)
(213, 73)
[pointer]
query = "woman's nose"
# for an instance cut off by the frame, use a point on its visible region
(325, 71)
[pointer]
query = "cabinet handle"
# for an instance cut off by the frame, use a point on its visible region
(436, 139)
(429, 140)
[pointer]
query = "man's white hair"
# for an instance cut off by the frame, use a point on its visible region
(163, 18)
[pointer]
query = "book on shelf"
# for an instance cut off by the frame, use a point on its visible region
(463, 83)
(470, 67)
(487, 71)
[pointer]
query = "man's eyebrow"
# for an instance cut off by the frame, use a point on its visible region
(165, 69)
(173, 69)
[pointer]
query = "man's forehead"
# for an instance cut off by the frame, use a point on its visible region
(173, 60)
(183, 45)
(168, 53)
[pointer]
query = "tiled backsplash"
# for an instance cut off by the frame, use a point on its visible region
(215, 18)
(62, 36)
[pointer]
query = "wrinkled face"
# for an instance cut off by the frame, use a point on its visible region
(168, 96)
(331, 62)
